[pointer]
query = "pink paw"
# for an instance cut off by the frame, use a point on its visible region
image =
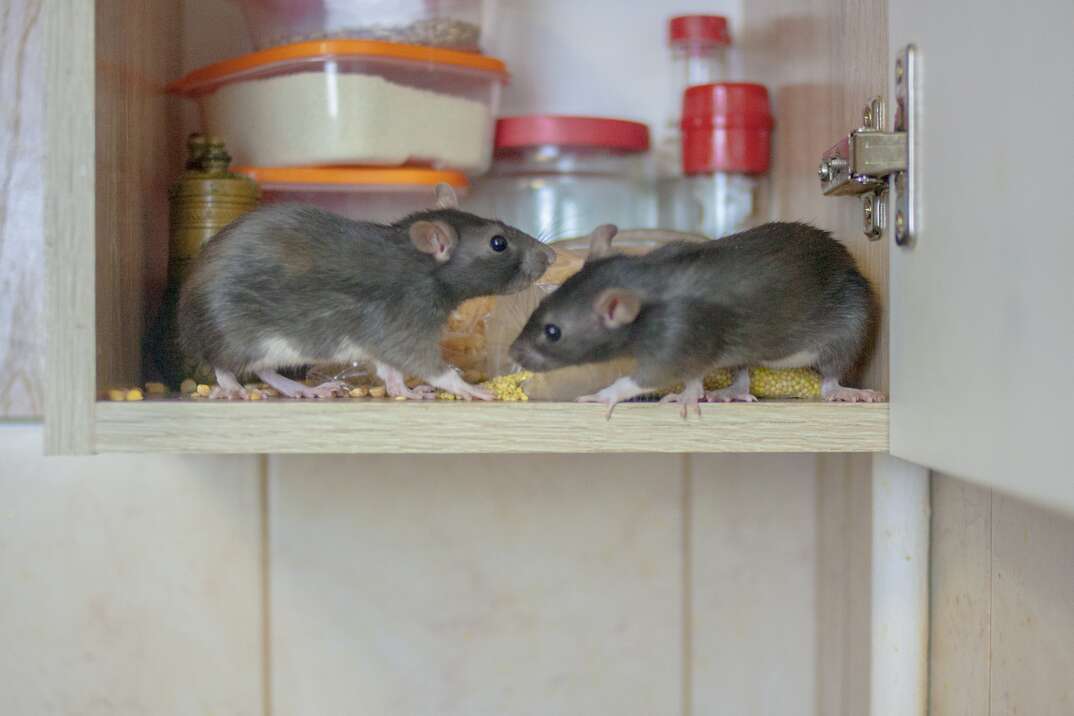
(331, 389)
(854, 395)
(729, 396)
(418, 392)
(221, 393)
(687, 399)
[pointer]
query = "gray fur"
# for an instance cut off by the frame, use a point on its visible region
(322, 282)
(758, 296)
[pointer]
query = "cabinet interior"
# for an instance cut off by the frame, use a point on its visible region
(140, 133)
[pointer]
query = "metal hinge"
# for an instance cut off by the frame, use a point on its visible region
(876, 163)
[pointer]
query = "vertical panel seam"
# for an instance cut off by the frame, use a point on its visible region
(991, 583)
(687, 657)
(266, 586)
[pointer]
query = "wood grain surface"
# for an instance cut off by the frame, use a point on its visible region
(69, 221)
(22, 253)
(139, 154)
(452, 427)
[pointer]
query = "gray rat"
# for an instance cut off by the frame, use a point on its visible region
(782, 295)
(291, 285)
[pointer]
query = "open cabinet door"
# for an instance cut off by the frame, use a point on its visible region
(982, 304)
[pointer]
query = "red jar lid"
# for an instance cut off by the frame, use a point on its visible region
(601, 132)
(726, 126)
(700, 29)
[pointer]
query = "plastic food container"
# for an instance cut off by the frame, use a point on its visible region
(726, 138)
(380, 195)
(700, 45)
(349, 102)
(454, 24)
(556, 176)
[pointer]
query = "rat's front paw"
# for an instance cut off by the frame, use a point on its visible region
(452, 382)
(472, 392)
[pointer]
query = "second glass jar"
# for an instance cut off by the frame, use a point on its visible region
(559, 176)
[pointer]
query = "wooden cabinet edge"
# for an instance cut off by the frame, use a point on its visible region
(70, 216)
(402, 428)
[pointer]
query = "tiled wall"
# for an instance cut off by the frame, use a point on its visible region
(128, 585)
(1002, 605)
(411, 585)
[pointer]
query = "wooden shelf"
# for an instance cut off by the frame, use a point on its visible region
(450, 427)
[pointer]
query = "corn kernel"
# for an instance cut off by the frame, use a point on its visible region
(156, 389)
(359, 392)
(254, 394)
(508, 387)
(203, 390)
(117, 394)
(188, 386)
(378, 391)
(134, 394)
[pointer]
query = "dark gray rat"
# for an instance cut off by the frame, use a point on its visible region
(293, 285)
(782, 295)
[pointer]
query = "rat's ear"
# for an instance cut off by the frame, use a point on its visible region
(617, 307)
(434, 237)
(600, 240)
(445, 197)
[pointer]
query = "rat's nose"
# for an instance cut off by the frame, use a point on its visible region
(519, 354)
(549, 254)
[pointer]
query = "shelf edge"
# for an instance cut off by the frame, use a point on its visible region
(492, 428)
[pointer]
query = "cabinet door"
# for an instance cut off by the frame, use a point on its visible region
(982, 304)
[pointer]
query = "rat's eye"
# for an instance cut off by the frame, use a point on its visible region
(552, 331)
(498, 243)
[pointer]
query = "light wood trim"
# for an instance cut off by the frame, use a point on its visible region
(69, 220)
(439, 427)
(140, 145)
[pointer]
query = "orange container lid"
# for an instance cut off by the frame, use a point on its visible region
(334, 49)
(354, 176)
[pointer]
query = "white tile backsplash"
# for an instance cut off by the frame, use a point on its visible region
(754, 584)
(476, 585)
(128, 585)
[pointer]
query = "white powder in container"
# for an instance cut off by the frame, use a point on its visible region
(344, 118)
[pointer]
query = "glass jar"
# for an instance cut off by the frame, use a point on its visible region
(726, 147)
(557, 176)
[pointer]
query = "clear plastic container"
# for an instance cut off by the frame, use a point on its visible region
(726, 140)
(352, 102)
(699, 52)
(557, 176)
(452, 24)
(380, 195)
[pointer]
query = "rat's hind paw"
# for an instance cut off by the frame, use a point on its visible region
(690, 396)
(854, 395)
(227, 387)
(221, 393)
(331, 389)
(730, 395)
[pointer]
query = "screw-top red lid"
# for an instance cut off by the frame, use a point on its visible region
(726, 126)
(699, 29)
(537, 129)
